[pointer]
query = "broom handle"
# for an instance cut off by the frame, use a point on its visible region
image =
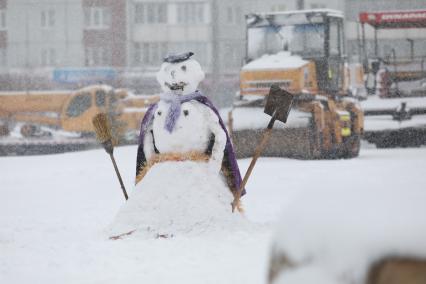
(119, 176)
(265, 137)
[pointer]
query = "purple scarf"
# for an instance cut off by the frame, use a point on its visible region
(175, 102)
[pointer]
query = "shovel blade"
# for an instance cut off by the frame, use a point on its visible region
(278, 103)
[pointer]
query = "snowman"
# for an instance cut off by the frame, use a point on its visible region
(184, 124)
(186, 171)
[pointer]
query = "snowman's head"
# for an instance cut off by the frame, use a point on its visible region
(180, 74)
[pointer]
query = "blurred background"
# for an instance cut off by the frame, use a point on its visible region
(66, 44)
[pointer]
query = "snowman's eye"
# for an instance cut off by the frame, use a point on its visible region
(183, 68)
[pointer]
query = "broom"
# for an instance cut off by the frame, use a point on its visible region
(103, 133)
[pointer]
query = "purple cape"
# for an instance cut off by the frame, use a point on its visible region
(229, 161)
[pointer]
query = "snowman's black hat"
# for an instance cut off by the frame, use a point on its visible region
(176, 58)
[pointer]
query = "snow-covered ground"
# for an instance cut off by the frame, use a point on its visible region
(55, 211)
(385, 122)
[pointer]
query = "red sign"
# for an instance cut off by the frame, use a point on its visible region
(395, 19)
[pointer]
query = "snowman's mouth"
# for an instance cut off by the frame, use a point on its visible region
(176, 86)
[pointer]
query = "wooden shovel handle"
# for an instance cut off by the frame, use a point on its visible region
(265, 137)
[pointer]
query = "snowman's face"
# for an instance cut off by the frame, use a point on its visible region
(180, 78)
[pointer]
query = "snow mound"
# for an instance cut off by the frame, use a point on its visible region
(340, 232)
(178, 198)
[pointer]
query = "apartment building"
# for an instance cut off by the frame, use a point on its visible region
(64, 33)
(104, 32)
(3, 34)
(159, 27)
(132, 33)
(133, 36)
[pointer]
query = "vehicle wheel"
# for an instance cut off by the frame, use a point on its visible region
(4, 130)
(351, 147)
(315, 142)
(28, 130)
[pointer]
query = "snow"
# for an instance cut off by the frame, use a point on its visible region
(56, 133)
(188, 72)
(308, 274)
(55, 212)
(330, 12)
(320, 228)
(54, 229)
(282, 60)
(135, 109)
(191, 132)
(375, 102)
(385, 122)
(255, 118)
(178, 198)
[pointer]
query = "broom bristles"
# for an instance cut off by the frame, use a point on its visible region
(102, 127)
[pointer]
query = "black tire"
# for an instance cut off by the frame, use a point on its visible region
(351, 147)
(316, 150)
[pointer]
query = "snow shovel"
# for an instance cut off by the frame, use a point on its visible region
(103, 133)
(278, 105)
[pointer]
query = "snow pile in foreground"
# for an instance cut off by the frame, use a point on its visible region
(177, 198)
(333, 235)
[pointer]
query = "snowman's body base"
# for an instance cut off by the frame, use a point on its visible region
(178, 198)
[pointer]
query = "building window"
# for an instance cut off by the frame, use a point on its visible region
(3, 20)
(150, 13)
(230, 15)
(190, 13)
(150, 53)
(279, 8)
(318, 6)
(47, 18)
(97, 17)
(3, 57)
(334, 38)
(232, 54)
(137, 54)
(234, 15)
(238, 15)
(48, 57)
(97, 56)
(199, 49)
(79, 104)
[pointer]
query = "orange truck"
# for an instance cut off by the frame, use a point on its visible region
(39, 120)
(304, 53)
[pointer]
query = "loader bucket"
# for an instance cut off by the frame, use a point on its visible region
(287, 142)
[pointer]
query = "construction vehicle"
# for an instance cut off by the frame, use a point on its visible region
(58, 121)
(396, 108)
(302, 52)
